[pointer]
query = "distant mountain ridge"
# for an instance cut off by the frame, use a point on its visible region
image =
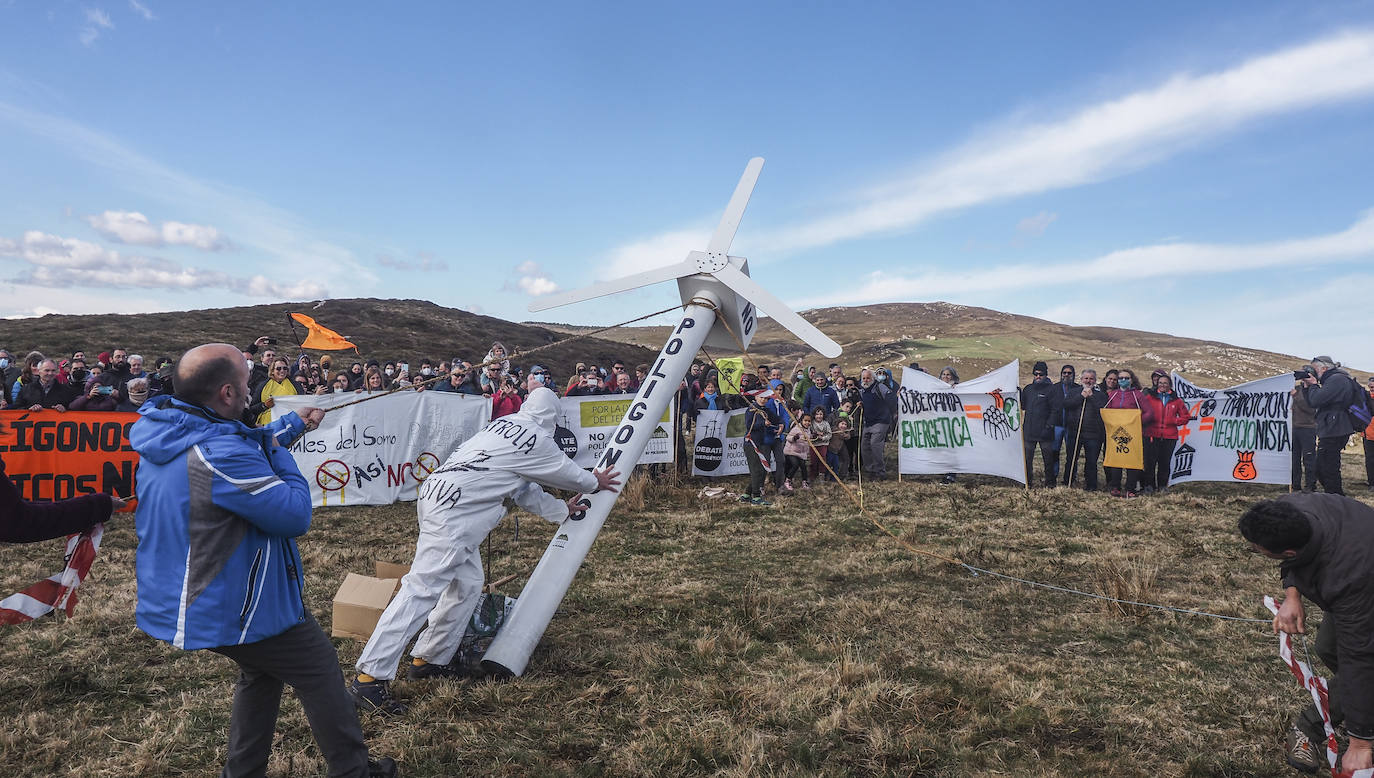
(382, 329)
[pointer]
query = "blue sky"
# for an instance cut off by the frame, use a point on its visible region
(1196, 169)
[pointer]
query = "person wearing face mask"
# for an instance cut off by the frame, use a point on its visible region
(1127, 394)
(9, 369)
(1042, 405)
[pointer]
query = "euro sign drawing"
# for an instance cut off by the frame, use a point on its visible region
(1245, 466)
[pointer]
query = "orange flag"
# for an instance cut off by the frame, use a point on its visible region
(321, 338)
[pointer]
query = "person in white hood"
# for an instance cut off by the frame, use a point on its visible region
(460, 503)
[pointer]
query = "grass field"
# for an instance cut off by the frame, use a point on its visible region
(703, 637)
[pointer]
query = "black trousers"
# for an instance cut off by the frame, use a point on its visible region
(1369, 461)
(1114, 478)
(757, 474)
(1159, 454)
(1329, 462)
(1305, 459)
(305, 659)
(1047, 455)
(1087, 471)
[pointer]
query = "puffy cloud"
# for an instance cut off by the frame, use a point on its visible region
(58, 262)
(532, 280)
(134, 228)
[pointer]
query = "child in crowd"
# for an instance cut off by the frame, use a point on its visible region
(820, 436)
(797, 450)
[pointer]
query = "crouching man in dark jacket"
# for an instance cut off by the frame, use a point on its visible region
(220, 507)
(1325, 544)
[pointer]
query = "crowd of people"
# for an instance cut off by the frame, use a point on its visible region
(803, 426)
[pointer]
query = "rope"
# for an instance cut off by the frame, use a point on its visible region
(512, 355)
(976, 571)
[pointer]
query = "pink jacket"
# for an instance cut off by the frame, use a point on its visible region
(1133, 398)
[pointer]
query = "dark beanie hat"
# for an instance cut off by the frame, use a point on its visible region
(1041, 367)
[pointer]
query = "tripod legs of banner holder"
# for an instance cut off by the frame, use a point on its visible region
(510, 650)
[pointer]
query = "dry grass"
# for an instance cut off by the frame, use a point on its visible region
(717, 639)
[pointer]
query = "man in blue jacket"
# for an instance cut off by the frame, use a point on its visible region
(220, 506)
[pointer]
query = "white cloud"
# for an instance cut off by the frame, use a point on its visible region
(134, 228)
(656, 251)
(532, 280)
(1102, 140)
(142, 10)
(96, 20)
(1168, 260)
(1037, 224)
(58, 262)
(291, 247)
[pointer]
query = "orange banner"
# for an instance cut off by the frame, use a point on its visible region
(51, 455)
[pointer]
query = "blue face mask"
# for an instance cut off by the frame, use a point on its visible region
(4, 363)
(1124, 383)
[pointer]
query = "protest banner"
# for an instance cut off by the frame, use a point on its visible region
(380, 451)
(729, 370)
(972, 427)
(50, 455)
(1125, 446)
(719, 448)
(1242, 434)
(587, 424)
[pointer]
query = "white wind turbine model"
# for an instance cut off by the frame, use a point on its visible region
(716, 289)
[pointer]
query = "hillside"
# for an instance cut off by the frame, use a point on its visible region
(384, 329)
(975, 340)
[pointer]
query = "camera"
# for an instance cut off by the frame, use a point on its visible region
(104, 390)
(1300, 375)
(271, 341)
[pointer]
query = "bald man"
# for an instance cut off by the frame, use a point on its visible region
(220, 506)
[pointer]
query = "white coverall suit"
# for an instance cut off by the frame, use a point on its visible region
(459, 504)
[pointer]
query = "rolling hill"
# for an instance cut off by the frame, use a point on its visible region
(975, 340)
(384, 329)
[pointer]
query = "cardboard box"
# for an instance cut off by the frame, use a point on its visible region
(392, 570)
(359, 604)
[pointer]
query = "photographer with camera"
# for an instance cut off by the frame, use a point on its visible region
(506, 399)
(99, 394)
(1330, 390)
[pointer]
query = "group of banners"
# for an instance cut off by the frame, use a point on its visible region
(1240, 434)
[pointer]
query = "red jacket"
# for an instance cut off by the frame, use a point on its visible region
(503, 404)
(1165, 419)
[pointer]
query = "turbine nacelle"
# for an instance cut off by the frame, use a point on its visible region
(715, 275)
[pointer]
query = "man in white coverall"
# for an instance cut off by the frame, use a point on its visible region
(460, 503)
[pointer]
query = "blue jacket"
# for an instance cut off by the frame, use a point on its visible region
(876, 407)
(218, 508)
(825, 398)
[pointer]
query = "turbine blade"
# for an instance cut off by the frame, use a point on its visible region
(734, 211)
(745, 287)
(623, 284)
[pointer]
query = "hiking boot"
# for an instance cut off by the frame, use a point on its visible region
(760, 501)
(806, 484)
(375, 696)
(746, 498)
(432, 670)
(1302, 751)
(382, 768)
(786, 486)
(1116, 492)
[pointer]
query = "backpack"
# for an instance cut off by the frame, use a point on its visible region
(1359, 411)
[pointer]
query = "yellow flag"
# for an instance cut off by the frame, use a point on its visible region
(320, 337)
(730, 368)
(1125, 444)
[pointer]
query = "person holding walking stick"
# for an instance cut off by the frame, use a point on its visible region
(1084, 410)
